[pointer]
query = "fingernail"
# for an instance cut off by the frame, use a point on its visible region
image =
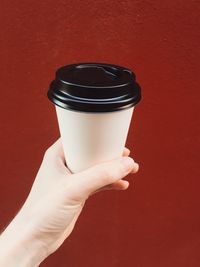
(128, 162)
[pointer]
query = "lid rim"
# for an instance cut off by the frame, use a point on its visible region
(94, 106)
(82, 96)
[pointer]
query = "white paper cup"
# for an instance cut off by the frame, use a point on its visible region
(94, 104)
(91, 138)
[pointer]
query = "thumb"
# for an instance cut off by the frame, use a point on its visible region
(100, 175)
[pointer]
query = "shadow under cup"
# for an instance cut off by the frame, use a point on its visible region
(94, 104)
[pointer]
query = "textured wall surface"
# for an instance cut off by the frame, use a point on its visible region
(156, 222)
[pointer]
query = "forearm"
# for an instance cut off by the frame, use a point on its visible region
(18, 245)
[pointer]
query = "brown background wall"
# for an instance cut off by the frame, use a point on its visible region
(156, 221)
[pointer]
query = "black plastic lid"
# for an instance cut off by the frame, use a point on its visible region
(94, 87)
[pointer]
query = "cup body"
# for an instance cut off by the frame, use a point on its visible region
(90, 138)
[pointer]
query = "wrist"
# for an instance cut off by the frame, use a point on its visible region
(19, 246)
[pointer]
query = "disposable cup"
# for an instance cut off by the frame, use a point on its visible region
(94, 103)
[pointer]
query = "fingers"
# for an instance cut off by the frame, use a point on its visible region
(101, 175)
(126, 152)
(55, 151)
(119, 185)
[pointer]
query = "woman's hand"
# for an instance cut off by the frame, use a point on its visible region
(55, 202)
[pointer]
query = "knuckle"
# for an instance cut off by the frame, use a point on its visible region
(135, 169)
(122, 169)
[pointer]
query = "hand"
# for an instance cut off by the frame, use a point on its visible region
(57, 196)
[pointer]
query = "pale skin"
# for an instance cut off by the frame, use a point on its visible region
(54, 204)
